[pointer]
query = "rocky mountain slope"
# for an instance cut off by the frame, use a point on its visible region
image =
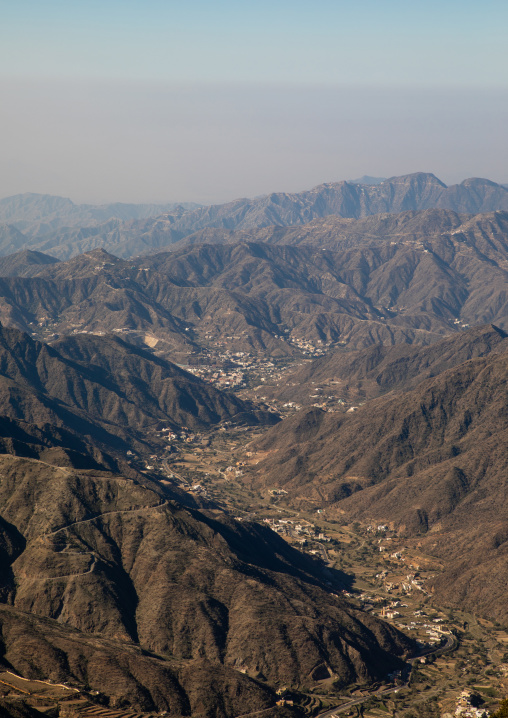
(411, 277)
(369, 373)
(111, 584)
(431, 461)
(268, 297)
(57, 227)
(100, 394)
(258, 298)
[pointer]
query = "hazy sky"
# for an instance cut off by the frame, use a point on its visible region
(208, 101)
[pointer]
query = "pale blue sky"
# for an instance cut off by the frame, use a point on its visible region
(129, 100)
(324, 41)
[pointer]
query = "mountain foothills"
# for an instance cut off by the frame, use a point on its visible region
(327, 361)
(57, 226)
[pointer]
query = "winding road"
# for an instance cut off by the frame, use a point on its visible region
(105, 513)
(450, 645)
(85, 521)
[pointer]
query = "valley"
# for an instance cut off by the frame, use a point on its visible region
(254, 463)
(382, 573)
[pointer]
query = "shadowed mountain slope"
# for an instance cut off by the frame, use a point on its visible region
(216, 606)
(432, 461)
(24, 263)
(106, 393)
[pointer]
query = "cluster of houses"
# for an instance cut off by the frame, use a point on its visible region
(301, 531)
(183, 434)
(291, 405)
(307, 347)
(412, 582)
(380, 528)
(389, 611)
(325, 401)
(461, 324)
(228, 369)
(467, 706)
(199, 490)
(232, 472)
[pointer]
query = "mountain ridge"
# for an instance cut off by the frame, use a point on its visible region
(133, 235)
(410, 278)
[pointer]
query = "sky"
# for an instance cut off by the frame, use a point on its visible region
(208, 101)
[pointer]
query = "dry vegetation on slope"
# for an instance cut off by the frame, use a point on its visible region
(214, 605)
(432, 461)
(356, 376)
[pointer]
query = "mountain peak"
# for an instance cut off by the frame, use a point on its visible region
(100, 253)
(479, 182)
(367, 179)
(416, 178)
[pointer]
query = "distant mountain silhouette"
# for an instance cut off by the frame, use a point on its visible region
(36, 214)
(60, 228)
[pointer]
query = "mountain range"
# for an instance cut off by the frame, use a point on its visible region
(390, 279)
(117, 581)
(56, 226)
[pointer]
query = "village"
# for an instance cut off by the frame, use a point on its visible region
(463, 668)
(254, 377)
